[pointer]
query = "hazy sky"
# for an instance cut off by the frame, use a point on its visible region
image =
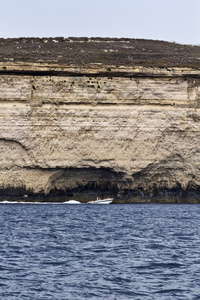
(170, 20)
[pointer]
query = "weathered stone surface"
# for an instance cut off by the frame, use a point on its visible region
(133, 133)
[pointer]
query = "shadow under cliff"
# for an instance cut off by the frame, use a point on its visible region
(89, 183)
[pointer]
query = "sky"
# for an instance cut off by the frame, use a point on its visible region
(169, 20)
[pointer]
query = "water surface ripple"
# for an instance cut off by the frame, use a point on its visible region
(99, 251)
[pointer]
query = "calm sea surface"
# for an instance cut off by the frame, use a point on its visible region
(60, 251)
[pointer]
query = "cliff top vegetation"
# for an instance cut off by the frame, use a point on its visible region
(106, 51)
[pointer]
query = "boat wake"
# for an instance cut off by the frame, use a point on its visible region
(97, 201)
(72, 202)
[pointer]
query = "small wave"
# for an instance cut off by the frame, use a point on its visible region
(170, 291)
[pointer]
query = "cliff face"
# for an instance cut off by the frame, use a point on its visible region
(132, 132)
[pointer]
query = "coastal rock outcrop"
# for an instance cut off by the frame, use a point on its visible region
(133, 132)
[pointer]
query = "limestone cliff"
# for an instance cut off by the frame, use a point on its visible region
(86, 130)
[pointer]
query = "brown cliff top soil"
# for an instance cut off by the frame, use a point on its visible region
(107, 51)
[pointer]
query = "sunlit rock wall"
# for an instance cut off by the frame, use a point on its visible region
(132, 133)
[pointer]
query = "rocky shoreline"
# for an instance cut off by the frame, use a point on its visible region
(161, 196)
(100, 127)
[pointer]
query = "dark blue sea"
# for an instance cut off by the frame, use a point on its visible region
(60, 251)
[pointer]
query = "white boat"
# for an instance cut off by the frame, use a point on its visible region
(72, 202)
(101, 201)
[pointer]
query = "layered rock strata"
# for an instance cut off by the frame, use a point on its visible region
(84, 131)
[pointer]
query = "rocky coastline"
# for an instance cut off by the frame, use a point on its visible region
(120, 119)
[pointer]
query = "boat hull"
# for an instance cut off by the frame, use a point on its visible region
(101, 201)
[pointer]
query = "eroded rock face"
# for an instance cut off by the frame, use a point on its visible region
(132, 132)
